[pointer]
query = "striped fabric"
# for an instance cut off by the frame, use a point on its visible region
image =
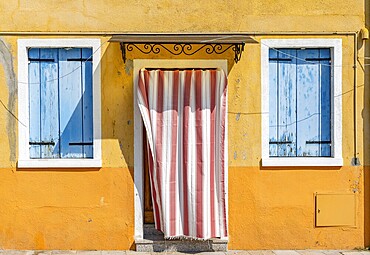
(184, 113)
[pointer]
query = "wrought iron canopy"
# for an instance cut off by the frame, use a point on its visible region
(187, 44)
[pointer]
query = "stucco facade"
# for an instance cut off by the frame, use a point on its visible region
(269, 207)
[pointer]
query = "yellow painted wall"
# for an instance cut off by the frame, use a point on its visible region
(72, 208)
(274, 207)
(181, 15)
(94, 209)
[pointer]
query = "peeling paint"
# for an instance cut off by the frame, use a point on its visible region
(356, 183)
(102, 201)
(244, 155)
(128, 66)
(6, 61)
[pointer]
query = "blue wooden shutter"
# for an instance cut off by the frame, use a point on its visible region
(325, 101)
(75, 70)
(313, 100)
(61, 106)
(282, 102)
(87, 99)
(300, 102)
(273, 111)
(34, 102)
(44, 112)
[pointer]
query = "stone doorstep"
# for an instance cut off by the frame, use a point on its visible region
(154, 241)
(150, 230)
(154, 244)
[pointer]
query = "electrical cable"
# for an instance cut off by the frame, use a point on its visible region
(273, 48)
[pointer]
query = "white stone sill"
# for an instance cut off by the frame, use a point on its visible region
(314, 161)
(59, 163)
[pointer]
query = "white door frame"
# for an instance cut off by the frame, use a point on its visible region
(138, 128)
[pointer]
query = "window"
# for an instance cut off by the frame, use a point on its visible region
(299, 102)
(301, 123)
(59, 103)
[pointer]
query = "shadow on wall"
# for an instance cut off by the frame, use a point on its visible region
(117, 106)
(6, 60)
(117, 110)
(117, 127)
(117, 99)
(366, 137)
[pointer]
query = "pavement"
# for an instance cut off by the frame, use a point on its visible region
(231, 252)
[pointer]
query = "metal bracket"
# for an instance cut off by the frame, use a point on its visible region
(183, 48)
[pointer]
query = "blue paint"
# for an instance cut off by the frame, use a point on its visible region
(273, 91)
(34, 102)
(87, 132)
(49, 103)
(60, 103)
(300, 103)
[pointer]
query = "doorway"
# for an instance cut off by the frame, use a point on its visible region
(142, 202)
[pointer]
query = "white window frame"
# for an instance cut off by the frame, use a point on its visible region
(24, 160)
(335, 46)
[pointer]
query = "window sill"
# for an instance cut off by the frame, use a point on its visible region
(314, 161)
(60, 163)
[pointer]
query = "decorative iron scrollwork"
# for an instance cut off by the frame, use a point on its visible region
(238, 49)
(183, 48)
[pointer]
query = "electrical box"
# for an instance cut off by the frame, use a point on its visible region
(335, 210)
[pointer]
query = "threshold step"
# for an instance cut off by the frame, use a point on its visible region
(154, 241)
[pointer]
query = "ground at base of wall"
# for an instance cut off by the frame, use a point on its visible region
(231, 252)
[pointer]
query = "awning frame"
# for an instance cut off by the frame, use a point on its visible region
(187, 44)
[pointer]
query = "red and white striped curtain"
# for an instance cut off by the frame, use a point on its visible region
(184, 113)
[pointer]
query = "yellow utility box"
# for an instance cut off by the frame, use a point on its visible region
(335, 210)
